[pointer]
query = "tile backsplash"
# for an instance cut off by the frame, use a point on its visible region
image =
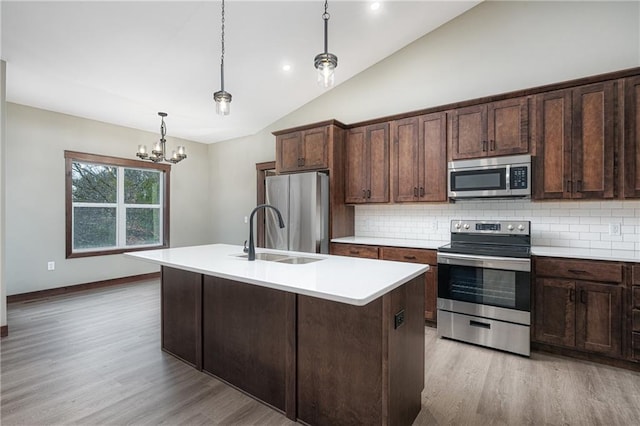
(580, 224)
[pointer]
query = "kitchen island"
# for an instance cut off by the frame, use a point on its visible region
(323, 339)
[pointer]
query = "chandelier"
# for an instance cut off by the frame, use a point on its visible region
(158, 153)
(222, 98)
(326, 62)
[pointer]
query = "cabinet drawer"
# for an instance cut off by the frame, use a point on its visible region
(579, 269)
(408, 255)
(635, 294)
(635, 275)
(636, 320)
(354, 250)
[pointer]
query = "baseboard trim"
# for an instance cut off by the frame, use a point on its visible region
(4, 331)
(41, 294)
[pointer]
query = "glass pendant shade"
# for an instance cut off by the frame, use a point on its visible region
(223, 102)
(326, 64)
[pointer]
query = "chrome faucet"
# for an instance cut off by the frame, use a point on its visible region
(252, 248)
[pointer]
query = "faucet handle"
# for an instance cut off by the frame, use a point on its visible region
(245, 249)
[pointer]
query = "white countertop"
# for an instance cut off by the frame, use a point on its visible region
(569, 252)
(391, 242)
(342, 279)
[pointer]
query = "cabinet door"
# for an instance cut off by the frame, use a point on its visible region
(469, 132)
(553, 145)
(377, 139)
(288, 155)
(431, 294)
(356, 167)
(314, 149)
(593, 141)
(555, 310)
(508, 127)
(433, 157)
(632, 138)
(406, 159)
(598, 318)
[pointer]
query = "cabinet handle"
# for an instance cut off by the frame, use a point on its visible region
(569, 186)
(368, 193)
(578, 271)
(421, 191)
(410, 257)
(364, 193)
(354, 251)
(415, 191)
(572, 295)
(492, 145)
(302, 161)
(484, 146)
(582, 294)
(579, 186)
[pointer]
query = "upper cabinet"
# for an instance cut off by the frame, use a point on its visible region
(575, 143)
(419, 158)
(489, 130)
(631, 152)
(302, 150)
(367, 164)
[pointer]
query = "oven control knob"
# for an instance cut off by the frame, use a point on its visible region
(520, 227)
(510, 227)
(466, 226)
(457, 226)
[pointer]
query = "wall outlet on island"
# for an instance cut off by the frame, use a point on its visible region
(614, 229)
(51, 266)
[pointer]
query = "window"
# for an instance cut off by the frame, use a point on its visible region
(114, 205)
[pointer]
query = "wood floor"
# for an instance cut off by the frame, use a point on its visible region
(94, 358)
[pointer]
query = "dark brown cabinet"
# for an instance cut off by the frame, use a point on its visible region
(575, 138)
(578, 304)
(181, 315)
(631, 163)
(367, 164)
(634, 352)
(489, 130)
(419, 158)
(302, 150)
(427, 257)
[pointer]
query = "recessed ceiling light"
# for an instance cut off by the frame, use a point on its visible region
(375, 5)
(286, 67)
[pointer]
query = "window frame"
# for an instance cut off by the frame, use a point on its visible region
(70, 157)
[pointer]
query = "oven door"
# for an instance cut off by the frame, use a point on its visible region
(487, 286)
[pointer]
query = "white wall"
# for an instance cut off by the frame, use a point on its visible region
(35, 195)
(495, 47)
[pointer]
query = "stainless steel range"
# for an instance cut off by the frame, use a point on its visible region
(484, 284)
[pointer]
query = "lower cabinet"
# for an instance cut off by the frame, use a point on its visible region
(399, 254)
(634, 352)
(576, 308)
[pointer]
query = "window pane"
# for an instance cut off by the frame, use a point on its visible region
(94, 227)
(143, 226)
(94, 183)
(141, 186)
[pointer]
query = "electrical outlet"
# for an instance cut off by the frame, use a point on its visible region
(434, 226)
(398, 319)
(51, 266)
(614, 229)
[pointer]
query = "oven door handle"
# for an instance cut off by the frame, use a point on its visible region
(489, 262)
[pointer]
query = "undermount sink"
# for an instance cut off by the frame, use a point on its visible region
(282, 258)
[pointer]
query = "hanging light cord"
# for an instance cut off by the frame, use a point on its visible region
(326, 17)
(222, 55)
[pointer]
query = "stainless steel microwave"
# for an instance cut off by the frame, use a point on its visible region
(493, 177)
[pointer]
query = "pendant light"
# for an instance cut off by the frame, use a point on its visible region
(222, 98)
(326, 62)
(158, 152)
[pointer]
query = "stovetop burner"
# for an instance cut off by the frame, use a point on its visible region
(490, 238)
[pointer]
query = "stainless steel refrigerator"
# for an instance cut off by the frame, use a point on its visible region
(303, 201)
